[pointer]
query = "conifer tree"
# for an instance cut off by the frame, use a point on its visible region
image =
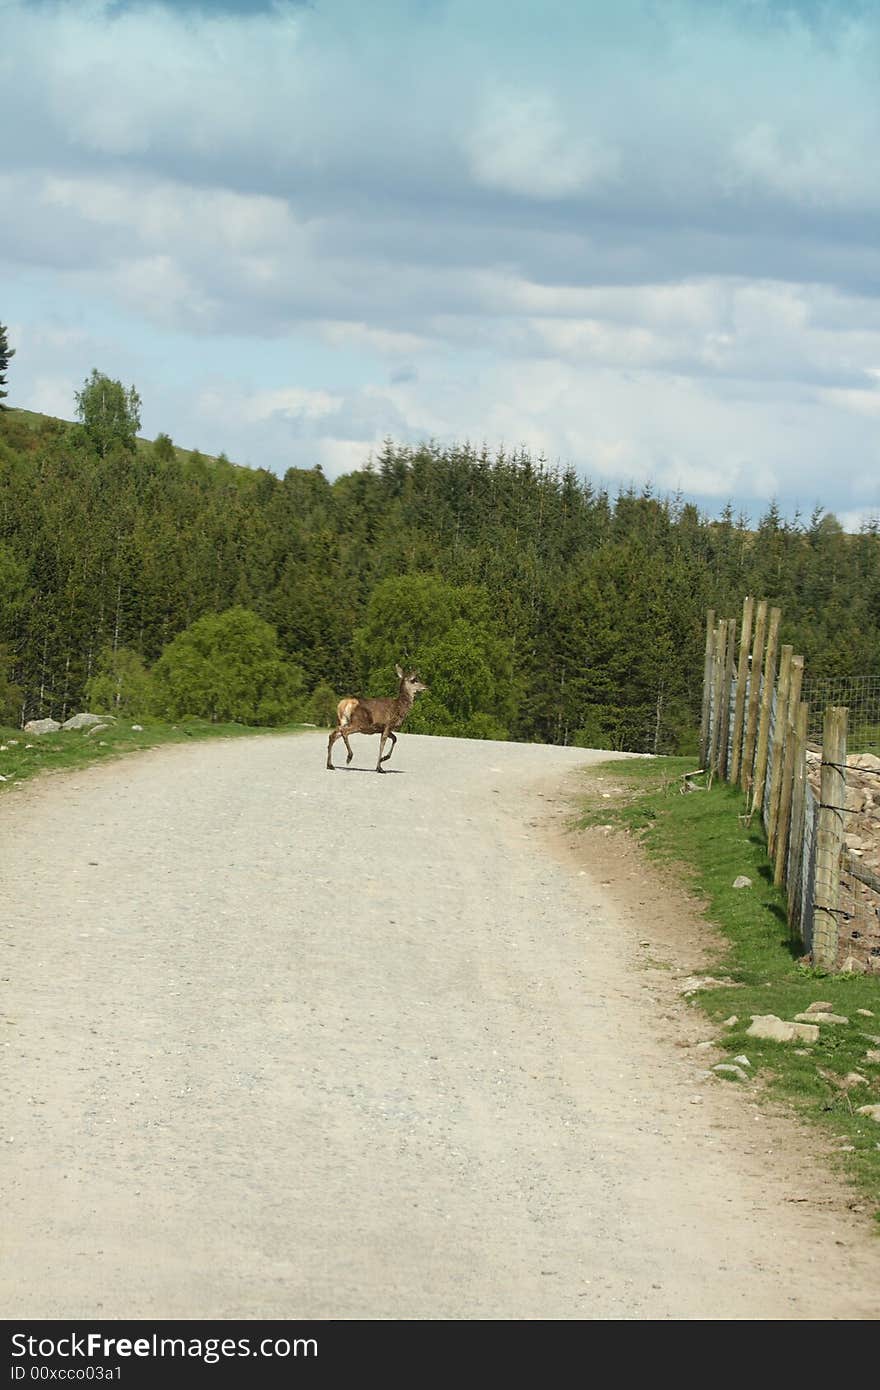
(5, 353)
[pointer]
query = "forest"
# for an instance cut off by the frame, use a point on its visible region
(535, 605)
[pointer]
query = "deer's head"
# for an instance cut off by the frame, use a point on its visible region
(410, 684)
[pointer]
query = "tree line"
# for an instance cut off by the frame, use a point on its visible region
(536, 606)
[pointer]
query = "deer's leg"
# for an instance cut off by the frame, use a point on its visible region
(344, 736)
(379, 767)
(393, 738)
(330, 742)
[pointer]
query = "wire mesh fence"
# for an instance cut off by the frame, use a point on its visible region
(826, 852)
(861, 697)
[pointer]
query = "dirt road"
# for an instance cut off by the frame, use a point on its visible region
(281, 1043)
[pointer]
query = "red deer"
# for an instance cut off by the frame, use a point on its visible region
(380, 716)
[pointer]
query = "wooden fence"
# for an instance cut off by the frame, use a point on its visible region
(754, 733)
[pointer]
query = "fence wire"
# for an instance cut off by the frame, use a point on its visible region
(858, 914)
(860, 695)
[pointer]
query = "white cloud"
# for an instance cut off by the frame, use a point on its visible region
(522, 145)
(632, 236)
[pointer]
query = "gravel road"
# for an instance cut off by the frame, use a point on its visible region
(281, 1043)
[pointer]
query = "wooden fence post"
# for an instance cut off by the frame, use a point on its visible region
(786, 786)
(748, 758)
(742, 677)
(717, 678)
(798, 829)
(707, 686)
(830, 835)
(769, 680)
(726, 688)
(778, 744)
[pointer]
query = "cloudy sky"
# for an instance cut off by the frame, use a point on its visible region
(638, 237)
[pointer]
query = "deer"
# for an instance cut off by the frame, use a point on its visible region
(381, 716)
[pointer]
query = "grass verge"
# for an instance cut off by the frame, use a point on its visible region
(23, 756)
(701, 837)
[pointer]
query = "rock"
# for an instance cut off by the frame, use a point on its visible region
(820, 1018)
(730, 1022)
(3, 779)
(96, 729)
(843, 1083)
(864, 760)
(137, 728)
(83, 721)
(853, 966)
(42, 726)
(742, 1060)
(866, 1013)
(728, 1069)
(776, 1030)
(742, 881)
(821, 1006)
(873, 1055)
(872, 1111)
(695, 982)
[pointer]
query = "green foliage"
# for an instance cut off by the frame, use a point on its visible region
(120, 684)
(11, 695)
(321, 707)
(5, 353)
(227, 666)
(535, 606)
(110, 414)
(163, 448)
(448, 635)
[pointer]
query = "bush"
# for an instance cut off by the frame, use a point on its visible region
(227, 666)
(121, 684)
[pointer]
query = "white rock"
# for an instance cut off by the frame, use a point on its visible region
(742, 881)
(821, 1018)
(137, 728)
(821, 1006)
(728, 1069)
(83, 721)
(42, 726)
(776, 1030)
(743, 1060)
(872, 1111)
(695, 982)
(730, 1022)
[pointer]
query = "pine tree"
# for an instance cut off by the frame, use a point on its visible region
(5, 353)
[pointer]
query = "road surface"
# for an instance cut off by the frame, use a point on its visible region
(280, 1043)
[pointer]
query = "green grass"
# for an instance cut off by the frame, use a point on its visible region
(702, 838)
(28, 755)
(35, 422)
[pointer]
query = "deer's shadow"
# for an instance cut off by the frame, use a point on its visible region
(389, 771)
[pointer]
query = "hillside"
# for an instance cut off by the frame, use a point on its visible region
(536, 606)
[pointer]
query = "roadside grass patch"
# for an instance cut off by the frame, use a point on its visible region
(700, 837)
(27, 755)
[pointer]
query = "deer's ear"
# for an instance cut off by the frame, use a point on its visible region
(399, 672)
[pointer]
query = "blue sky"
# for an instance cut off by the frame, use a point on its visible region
(639, 238)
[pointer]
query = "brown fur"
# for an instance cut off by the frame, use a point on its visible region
(381, 716)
